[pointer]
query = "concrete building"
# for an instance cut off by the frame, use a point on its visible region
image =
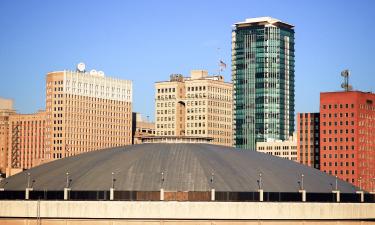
(347, 136)
(308, 139)
(263, 81)
(25, 141)
(284, 149)
(199, 105)
(6, 109)
(86, 111)
(141, 127)
(176, 139)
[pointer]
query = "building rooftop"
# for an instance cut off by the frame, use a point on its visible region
(185, 167)
(263, 20)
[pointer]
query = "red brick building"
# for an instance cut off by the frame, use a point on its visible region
(347, 136)
(308, 141)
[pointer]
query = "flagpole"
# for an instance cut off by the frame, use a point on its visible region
(218, 54)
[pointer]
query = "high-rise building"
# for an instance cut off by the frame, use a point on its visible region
(86, 111)
(141, 128)
(284, 149)
(25, 141)
(6, 109)
(308, 139)
(347, 136)
(199, 105)
(263, 81)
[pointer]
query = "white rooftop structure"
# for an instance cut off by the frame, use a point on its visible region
(266, 19)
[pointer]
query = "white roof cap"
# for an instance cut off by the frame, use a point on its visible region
(267, 19)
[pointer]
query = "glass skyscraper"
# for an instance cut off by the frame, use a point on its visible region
(263, 79)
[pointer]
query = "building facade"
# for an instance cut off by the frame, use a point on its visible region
(263, 81)
(284, 149)
(6, 109)
(86, 111)
(347, 136)
(308, 139)
(141, 128)
(199, 105)
(25, 141)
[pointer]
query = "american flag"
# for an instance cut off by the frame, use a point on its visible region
(222, 65)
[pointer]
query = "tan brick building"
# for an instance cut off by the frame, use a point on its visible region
(25, 141)
(199, 105)
(6, 109)
(86, 111)
(284, 149)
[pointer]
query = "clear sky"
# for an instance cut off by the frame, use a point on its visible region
(146, 41)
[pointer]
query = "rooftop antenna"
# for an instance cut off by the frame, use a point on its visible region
(345, 85)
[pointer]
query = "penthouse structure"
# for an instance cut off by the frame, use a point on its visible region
(86, 111)
(308, 138)
(199, 105)
(347, 136)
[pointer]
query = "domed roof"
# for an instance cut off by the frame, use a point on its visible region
(186, 167)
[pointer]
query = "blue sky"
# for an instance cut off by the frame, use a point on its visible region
(146, 41)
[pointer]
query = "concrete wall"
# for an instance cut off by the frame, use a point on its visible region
(174, 222)
(186, 210)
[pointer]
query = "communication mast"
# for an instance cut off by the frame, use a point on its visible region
(345, 85)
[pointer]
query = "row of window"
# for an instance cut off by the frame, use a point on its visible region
(329, 106)
(341, 156)
(336, 123)
(339, 139)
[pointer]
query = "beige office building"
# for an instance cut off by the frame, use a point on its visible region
(6, 109)
(86, 111)
(285, 149)
(199, 105)
(25, 141)
(142, 127)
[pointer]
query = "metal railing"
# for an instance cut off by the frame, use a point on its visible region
(101, 195)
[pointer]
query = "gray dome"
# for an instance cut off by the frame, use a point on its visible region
(186, 167)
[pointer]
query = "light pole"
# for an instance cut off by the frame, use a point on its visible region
(28, 180)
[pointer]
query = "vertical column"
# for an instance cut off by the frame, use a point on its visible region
(161, 188)
(212, 194)
(28, 188)
(67, 188)
(112, 189)
(66, 193)
(260, 190)
(303, 192)
(260, 195)
(161, 194)
(362, 195)
(27, 193)
(111, 194)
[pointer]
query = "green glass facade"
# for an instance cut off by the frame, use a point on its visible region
(263, 79)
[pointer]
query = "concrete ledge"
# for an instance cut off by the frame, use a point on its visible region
(186, 210)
